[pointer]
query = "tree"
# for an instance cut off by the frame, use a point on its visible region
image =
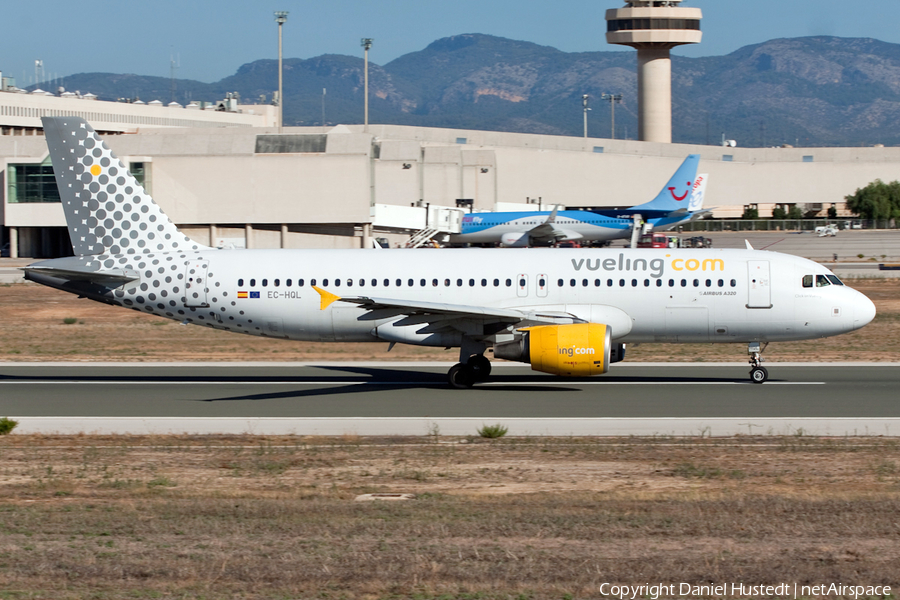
(779, 213)
(832, 212)
(878, 201)
(750, 212)
(794, 212)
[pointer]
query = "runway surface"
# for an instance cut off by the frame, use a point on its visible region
(385, 398)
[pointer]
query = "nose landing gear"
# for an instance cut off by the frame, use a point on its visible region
(758, 373)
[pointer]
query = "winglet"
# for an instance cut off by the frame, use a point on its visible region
(749, 247)
(327, 298)
(552, 217)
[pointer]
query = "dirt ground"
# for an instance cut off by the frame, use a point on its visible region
(42, 324)
(278, 517)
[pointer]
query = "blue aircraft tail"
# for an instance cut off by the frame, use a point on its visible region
(676, 194)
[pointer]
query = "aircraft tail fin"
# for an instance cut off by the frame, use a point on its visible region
(107, 210)
(698, 193)
(677, 190)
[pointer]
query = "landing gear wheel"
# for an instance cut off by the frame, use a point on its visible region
(481, 367)
(759, 375)
(461, 376)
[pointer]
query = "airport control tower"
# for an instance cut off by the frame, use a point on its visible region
(654, 27)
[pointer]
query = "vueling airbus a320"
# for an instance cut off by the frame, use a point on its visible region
(568, 313)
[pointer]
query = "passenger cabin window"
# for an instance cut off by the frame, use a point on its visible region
(277, 283)
(288, 283)
(252, 283)
(265, 283)
(822, 281)
(300, 283)
(240, 283)
(807, 281)
(497, 282)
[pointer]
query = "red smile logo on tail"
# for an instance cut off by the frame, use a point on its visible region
(683, 196)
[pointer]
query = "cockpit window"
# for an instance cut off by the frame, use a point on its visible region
(822, 281)
(807, 281)
(834, 279)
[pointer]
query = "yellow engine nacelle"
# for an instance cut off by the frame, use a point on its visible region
(578, 350)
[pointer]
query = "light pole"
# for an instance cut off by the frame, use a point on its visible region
(584, 103)
(613, 100)
(281, 19)
(366, 44)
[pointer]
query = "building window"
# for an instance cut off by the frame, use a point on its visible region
(141, 172)
(31, 183)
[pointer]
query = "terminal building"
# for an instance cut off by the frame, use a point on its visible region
(229, 178)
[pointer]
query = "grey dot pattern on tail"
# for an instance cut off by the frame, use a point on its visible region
(107, 209)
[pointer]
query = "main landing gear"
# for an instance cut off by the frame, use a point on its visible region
(758, 373)
(465, 375)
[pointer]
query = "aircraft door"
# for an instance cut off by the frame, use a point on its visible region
(759, 294)
(541, 284)
(196, 286)
(522, 285)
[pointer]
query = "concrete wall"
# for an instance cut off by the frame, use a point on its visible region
(213, 176)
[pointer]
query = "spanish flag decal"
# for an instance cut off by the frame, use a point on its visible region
(242, 294)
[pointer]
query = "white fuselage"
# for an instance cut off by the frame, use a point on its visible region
(645, 295)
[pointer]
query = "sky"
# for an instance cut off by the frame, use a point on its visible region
(211, 40)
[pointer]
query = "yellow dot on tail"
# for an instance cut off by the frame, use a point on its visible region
(95, 170)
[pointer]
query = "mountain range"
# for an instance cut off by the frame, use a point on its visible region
(811, 91)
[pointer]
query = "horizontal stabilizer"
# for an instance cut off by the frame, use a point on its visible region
(112, 278)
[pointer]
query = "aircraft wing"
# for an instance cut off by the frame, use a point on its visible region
(111, 278)
(436, 315)
(548, 231)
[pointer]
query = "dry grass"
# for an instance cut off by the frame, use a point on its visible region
(252, 517)
(34, 327)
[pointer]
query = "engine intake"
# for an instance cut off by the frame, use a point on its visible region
(578, 350)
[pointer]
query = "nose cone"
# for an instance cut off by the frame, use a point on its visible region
(863, 311)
